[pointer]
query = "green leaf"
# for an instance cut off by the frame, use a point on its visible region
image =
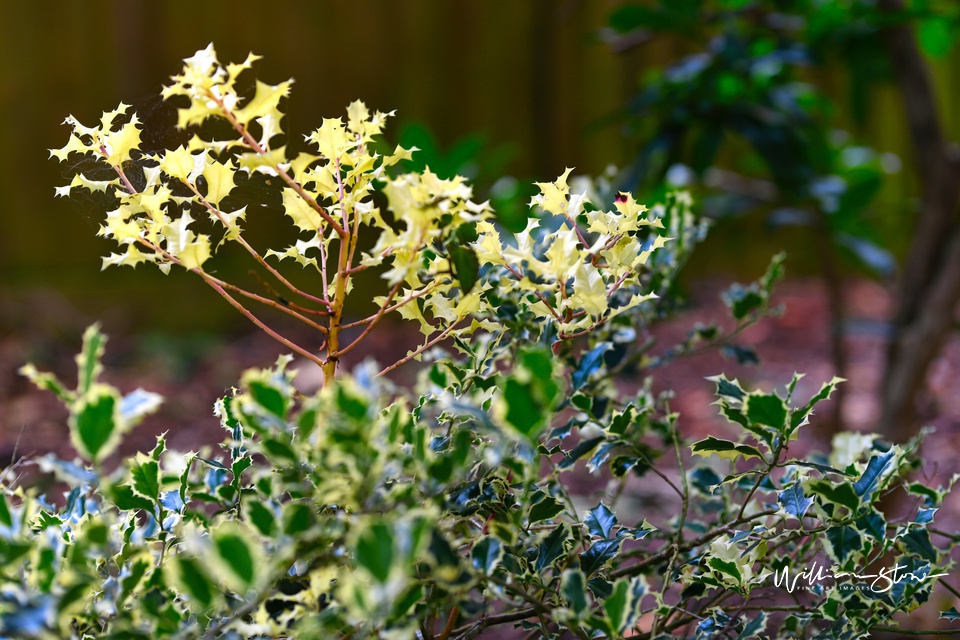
(145, 473)
(872, 475)
(6, 517)
(725, 449)
(616, 606)
(822, 468)
(46, 520)
(643, 530)
(917, 542)
(573, 586)
(843, 541)
(754, 628)
(600, 521)
(297, 519)
(350, 403)
(261, 517)
(842, 493)
(544, 509)
(268, 396)
(279, 449)
(728, 388)
(583, 448)
(88, 360)
(743, 300)
(767, 409)
(238, 554)
(124, 497)
(873, 525)
(743, 354)
(931, 497)
(552, 547)
(523, 411)
(799, 416)
(590, 363)
(602, 551)
(728, 567)
(774, 272)
(374, 551)
(950, 614)
(95, 422)
(936, 35)
(136, 571)
(47, 382)
(193, 580)
(466, 266)
(487, 554)
(793, 501)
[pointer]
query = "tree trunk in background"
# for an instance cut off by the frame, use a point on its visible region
(930, 284)
(832, 281)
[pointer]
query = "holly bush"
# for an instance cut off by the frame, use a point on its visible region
(449, 508)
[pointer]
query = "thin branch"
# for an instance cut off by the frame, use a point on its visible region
(284, 301)
(253, 252)
(949, 587)
(270, 303)
(492, 621)
(637, 568)
(516, 273)
(443, 334)
(293, 184)
(217, 286)
(373, 322)
(403, 302)
(255, 320)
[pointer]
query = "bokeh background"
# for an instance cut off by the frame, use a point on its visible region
(533, 80)
(494, 88)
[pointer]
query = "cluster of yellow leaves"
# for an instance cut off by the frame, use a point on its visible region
(429, 207)
(580, 275)
(573, 277)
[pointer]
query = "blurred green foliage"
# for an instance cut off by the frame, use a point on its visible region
(751, 97)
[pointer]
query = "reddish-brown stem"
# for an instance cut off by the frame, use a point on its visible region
(208, 278)
(576, 228)
(502, 618)
(516, 274)
(443, 334)
(376, 319)
(123, 176)
(215, 284)
(293, 184)
(255, 320)
(403, 302)
(358, 268)
(448, 628)
(583, 332)
(617, 284)
(270, 303)
(253, 252)
(288, 303)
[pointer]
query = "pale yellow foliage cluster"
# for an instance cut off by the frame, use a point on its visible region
(573, 277)
(570, 276)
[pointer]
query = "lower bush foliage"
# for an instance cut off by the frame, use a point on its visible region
(365, 511)
(450, 509)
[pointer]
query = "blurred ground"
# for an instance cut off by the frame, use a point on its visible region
(192, 370)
